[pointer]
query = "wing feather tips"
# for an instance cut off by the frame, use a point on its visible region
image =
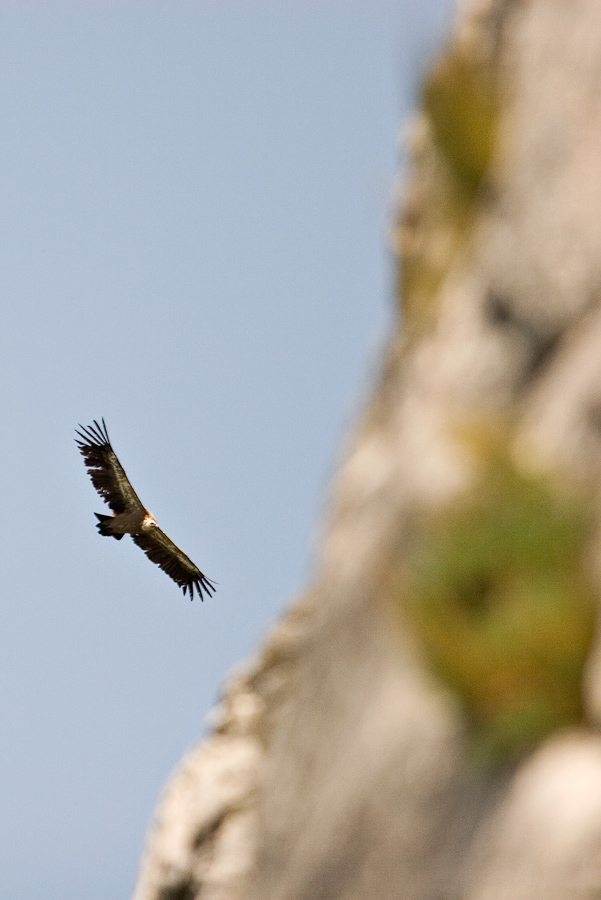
(201, 584)
(92, 436)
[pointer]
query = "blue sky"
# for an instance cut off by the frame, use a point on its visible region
(195, 198)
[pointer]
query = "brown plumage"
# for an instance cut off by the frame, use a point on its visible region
(130, 515)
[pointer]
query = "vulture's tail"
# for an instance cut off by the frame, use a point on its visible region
(104, 527)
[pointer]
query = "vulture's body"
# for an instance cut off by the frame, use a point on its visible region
(130, 516)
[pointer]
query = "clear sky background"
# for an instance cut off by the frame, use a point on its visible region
(195, 198)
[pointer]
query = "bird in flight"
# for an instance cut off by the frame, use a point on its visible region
(130, 516)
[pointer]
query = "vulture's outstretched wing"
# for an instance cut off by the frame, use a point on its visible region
(107, 474)
(161, 550)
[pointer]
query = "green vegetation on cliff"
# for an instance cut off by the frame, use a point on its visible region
(461, 113)
(503, 607)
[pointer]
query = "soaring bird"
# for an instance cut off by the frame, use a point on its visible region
(130, 515)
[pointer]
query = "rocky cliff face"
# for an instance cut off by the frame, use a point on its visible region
(422, 724)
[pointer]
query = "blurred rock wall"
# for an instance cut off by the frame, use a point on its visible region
(423, 723)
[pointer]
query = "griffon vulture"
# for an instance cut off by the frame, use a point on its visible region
(130, 516)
